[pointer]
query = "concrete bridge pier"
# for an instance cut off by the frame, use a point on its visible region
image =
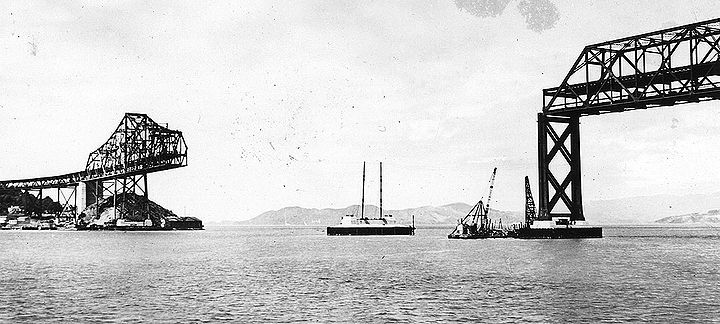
(89, 192)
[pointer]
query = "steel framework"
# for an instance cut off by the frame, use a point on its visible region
(60, 181)
(662, 68)
(119, 189)
(138, 146)
(530, 212)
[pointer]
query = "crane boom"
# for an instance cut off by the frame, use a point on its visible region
(492, 182)
(530, 214)
(484, 228)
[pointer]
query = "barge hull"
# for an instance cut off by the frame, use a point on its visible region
(384, 230)
(481, 235)
(558, 233)
(135, 228)
(471, 237)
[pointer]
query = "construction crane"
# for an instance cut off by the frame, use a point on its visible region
(530, 214)
(476, 224)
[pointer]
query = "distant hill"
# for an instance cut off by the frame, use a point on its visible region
(646, 210)
(710, 217)
(426, 215)
(634, 210)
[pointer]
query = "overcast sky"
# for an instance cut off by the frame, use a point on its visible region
(281, 102)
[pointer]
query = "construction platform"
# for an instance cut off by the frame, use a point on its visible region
(557, 233)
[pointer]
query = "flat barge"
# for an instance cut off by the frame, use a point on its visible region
(557, 233)
(382, 225)
(371, 230)
(550, 227)
(482, 234)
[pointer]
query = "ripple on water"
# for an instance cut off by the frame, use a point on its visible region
(268, 275)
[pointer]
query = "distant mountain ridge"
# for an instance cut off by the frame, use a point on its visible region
(710, 217)
(631, 211)
(648, 209)
(425, 215)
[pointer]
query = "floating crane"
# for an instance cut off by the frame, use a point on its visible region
(476, 223)
(535, 228)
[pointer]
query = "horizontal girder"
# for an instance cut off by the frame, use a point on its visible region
(65, 180)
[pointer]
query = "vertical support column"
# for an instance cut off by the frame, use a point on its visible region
(88, 192)
(543, 196)
(40, 201)
(115, 192)
(99, 190)
(77, 213)
(147, 199)
(123, 207)
(576, 186)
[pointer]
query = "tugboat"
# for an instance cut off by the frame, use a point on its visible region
(476, 224)
(383, 225)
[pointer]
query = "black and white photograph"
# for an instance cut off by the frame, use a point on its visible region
(314, 161)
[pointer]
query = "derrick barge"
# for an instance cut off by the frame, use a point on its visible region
(476, 224)
(550, 227)
(558, 232)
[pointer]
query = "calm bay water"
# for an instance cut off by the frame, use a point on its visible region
(243, 274)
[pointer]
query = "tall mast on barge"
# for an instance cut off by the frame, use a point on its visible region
(362, 201)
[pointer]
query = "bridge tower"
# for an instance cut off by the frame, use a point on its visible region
(658, 69)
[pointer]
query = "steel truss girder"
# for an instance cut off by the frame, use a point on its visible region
(564, 148)
(61, 181)
(138, 146)
(662, 68)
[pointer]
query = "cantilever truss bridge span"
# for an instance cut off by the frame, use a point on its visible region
(663, 68)
(138, 146)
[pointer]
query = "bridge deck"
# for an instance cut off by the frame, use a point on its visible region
(651, 89)
(73, 179)
(65, 180)
(638, 81)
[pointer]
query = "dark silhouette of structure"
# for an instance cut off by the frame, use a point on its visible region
(663, 68)
(138, 146)
(530, 212)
